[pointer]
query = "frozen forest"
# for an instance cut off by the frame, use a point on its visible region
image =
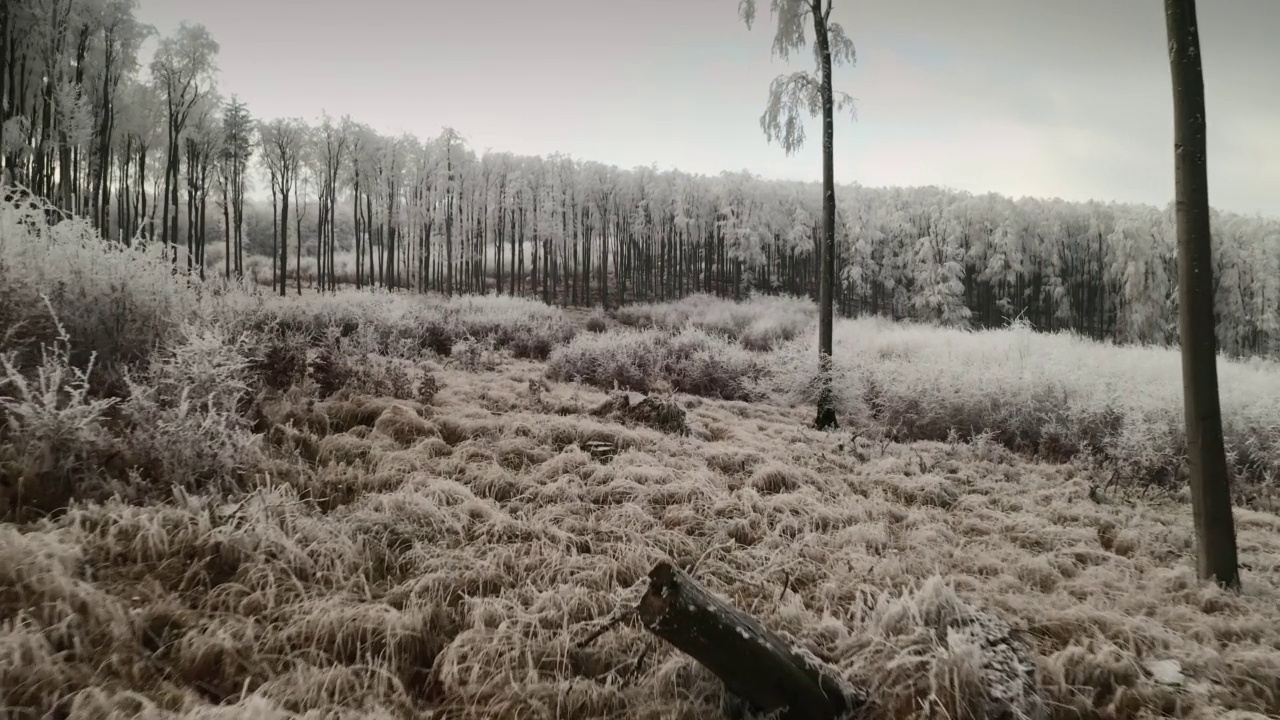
(301, 420)
(171, 157)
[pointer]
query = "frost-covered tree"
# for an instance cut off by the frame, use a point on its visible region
(183, 70)
(237, 151)
(203, 144)
(938, 282)
(282, 144)
(790, 98)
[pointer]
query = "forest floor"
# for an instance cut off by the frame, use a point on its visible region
(445, 558)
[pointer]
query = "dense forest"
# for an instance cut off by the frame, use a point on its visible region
(162, 153)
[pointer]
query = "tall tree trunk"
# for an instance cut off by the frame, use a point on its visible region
(297, 239)
(275, 235)
(826, 418)
(175, 161)
(140, 212)
(226, 230)
(448, 230)
(101, 208)
(369, 231)
(355, 214)
(204, 206)
(1210, 483)
(164, 197)
(191, 205)
(333, 231)
(6, 72)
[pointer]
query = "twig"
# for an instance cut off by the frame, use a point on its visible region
(639, 663)
(609, 625)
(707, 553)
(786, 585)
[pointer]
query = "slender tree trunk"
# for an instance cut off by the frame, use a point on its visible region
(333, 230)
(355, 214)
(176, 163)
(204, 206)
(448, 230)
(191, 205)
(275, 235)
(226, 231)
(100, 206)
(6, 72)
(369, 231)
(826, 418)
(140, 207)
(1210, 482)
(168, 174)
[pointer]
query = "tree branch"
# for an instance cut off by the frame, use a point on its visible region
(789, 97)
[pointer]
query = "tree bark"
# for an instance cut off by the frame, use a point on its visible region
(826, 418)
(1206, 454)
(760, 668)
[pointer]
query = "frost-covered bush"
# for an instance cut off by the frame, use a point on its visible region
(759, 323)
(597, 323)
(629, 359)
(184, 421)
(181, 423)
(691, 361)
(116, 302)
(53, 433)
(1058, 395)
(395, 324)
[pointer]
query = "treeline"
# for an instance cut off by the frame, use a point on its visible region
(162, 155)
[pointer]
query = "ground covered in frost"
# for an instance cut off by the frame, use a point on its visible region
(445, 559)
(215, 504)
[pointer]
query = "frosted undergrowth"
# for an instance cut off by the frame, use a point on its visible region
(458, 554)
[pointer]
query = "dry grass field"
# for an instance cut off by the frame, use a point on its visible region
(384, 506)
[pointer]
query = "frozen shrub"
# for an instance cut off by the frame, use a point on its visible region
(473, 355)
(279, 360)
(53, 434)
(597, 323)
(197, 390)
(759, 323)
(402, 325)
(793, 377)
(770, 330)
(631, 360)
(699, 363)
(1055, 395)
(115, 302)
(690, 361)
(344, 364)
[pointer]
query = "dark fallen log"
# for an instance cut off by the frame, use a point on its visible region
(763, 670)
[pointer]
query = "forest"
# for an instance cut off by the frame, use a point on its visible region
(163, 152)
(300, 420)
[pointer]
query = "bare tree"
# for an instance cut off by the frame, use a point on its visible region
(183, 69)
(790, 96)
(1206, 453)
(282, 144)
(237, 149)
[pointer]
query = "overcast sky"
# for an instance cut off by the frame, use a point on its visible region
(1049, 98)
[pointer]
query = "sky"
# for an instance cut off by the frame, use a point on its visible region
(1040, 98)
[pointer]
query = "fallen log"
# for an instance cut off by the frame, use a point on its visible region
(763, 670)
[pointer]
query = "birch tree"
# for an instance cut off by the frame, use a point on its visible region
(790, 98)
